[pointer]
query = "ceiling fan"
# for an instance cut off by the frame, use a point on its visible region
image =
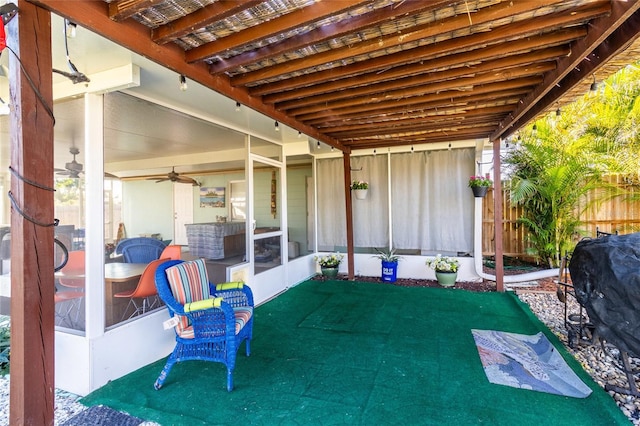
(73, 168)
(175, 177)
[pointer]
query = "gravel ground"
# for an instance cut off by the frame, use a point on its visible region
(543, 302)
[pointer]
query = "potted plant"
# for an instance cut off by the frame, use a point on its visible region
(446, 269)
(389, 260)
(479, 185)
(360, 188)
(329, 264)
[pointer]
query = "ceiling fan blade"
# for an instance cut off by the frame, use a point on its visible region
(188, 180)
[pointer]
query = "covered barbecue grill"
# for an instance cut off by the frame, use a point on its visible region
(605, 273)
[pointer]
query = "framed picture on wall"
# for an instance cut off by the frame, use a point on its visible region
(212, 196)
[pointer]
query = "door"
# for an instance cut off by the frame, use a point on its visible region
(183, 212)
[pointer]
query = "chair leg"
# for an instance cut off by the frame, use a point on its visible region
(165, 372)
(229, 380)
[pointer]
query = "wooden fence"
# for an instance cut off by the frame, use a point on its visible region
(620, 214)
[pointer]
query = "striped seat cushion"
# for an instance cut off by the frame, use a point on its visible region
(189, 283)
(242, 315)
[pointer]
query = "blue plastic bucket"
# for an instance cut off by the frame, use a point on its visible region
(389, 271)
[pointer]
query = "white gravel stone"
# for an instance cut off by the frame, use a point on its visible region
(550, 310)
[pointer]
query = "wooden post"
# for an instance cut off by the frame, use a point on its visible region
(497, 218)
(32, 284)
(346, 161)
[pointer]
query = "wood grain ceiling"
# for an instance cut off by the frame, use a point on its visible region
(376, 73)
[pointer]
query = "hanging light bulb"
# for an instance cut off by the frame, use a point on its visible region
(449, 146)
(331, 149)
(412, 149)
(318, 145)
(238, 106)
(594, 85)
(71, 28)
(374, 153)
(183, 83)
(277, 126)
(558, 112)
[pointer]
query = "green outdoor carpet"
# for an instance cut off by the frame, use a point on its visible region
(338, 352)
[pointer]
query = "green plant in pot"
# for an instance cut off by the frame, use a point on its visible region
(329, 264)
(480, 185)
(389, 260)
(446, 269)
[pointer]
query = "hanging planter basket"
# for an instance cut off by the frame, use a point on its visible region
(360, 194)
(479, 191)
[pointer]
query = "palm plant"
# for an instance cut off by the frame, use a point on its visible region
(558, 167)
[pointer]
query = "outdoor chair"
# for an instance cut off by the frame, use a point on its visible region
(145, 290)
(211, 322)
(140, 249)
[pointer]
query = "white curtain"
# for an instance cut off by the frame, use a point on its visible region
(371, 215)
(432, 208)
(332, 224)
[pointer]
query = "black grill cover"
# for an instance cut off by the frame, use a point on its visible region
(606, 275)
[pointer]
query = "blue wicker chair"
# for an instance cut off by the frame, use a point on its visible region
(212, 322)
(140, 249)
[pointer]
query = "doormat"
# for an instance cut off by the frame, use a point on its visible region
(527, 362)
(99, 415)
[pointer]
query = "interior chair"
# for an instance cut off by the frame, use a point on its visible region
(145, 290)
(140, 249)
(173, 252)
(66, 302)
(68, 298)
(210, 322)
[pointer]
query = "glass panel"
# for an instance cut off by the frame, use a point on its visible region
(300, 219)
(268, 238)
(265, 149)
(266, 199)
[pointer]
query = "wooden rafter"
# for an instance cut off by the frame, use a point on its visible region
(324, 33)
(301, 17)
(441, 51)
(419, 32)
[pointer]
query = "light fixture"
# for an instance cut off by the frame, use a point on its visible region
(535, 127)
(318, 144)
(412, 149)
(238, 106)
(449, 146)
(594, 85)
(299, 135)
(374, 152)
(558, 112)
(71, 28)
(331, 149)
(277, 126)
(183, 83)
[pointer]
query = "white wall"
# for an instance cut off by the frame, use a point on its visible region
(148, 208)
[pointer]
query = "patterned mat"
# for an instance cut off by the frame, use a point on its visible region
(527, 362)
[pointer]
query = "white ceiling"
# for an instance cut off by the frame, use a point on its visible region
(201, 131)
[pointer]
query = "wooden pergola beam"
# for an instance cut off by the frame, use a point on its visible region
(32, 257)
(324, 33)
(417, 33)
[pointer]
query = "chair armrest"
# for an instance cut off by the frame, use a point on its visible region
(236, 294)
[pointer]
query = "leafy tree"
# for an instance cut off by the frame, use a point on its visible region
(564, 158)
